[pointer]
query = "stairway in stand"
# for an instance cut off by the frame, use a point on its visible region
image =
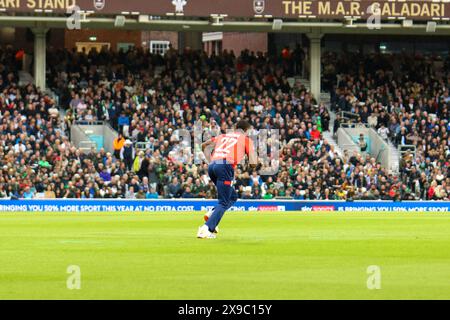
(395, 158)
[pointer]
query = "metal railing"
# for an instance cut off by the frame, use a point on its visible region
(87, 145)
(380, 152)
(349, 125)
(89, 123)
(142, 145)
(348, 149)
(402, 149)
(347, 115)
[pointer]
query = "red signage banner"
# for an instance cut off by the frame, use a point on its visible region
(293, 9)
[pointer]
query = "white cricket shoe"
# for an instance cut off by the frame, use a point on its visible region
(208, 214)
(204, 233)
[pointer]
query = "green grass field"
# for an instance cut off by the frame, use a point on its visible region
(256, 256)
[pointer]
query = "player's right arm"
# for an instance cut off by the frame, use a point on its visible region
(251, 153)
(208, 144)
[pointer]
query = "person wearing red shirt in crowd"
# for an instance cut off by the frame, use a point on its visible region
(431, 190)
(286, 53)
(315, 134)
(229, 151)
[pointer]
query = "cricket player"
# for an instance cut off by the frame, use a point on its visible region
(229, 150)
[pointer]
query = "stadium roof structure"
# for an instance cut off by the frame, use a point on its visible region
(329, 16)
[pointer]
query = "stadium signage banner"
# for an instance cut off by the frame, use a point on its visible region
(320, 9)
(185, 205)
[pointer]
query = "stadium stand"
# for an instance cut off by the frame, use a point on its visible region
(406, 99)
(147, 96)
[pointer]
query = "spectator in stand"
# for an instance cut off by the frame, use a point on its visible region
(49, 193)
(187, 193)
(127, 154)
(152, 194)
(174, 188)
(118, 144)
(315, 133)
(140, 194)
(383, 132)
(28, 193)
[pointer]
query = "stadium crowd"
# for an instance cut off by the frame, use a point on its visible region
(146, 97)
(405, 98)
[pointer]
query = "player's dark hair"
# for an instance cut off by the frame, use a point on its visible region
(243, 125)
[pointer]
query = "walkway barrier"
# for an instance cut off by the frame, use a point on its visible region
(407, 148)
(143, 145)
(87, 145)
(184, 205)
(89, 122)
(99, 133)
(354, 125)
(347, 115)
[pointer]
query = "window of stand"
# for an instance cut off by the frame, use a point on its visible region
(159, 47)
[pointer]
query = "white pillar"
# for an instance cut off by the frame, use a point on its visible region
(217, 47)
(40, 47)
(315, 67)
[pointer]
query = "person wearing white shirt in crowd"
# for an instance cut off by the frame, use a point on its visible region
(383, 132)
(372, 120)
(19, 147)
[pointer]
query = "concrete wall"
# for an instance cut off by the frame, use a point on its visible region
(238, 41)
(80, 133)
(148, 36)
(109, 134)
(379, 149)
(113, 37)
(78, 138)
(23, 38)
(346, 142)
